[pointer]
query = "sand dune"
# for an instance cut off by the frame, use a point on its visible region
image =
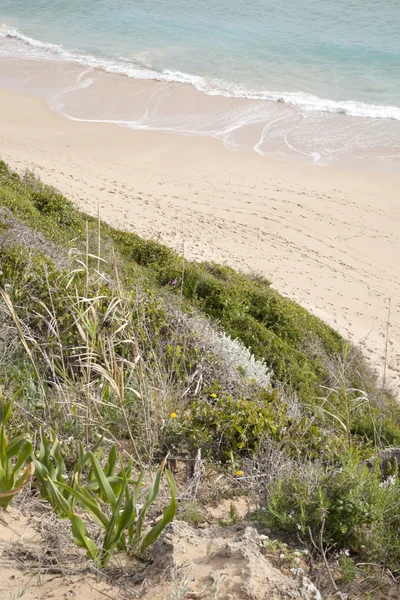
(326, 237)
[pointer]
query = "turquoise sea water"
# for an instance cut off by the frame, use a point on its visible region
(316, 57)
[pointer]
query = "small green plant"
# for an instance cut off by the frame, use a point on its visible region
(15, 466)
(192, 512)
(50, 466)
(113, 510)
(182, 589)
(272, 544)
(347, 567)
(233, 519)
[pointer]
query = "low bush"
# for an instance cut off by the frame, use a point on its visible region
(345, 505)
(224, 426)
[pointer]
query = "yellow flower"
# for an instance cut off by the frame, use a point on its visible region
(213, 395)
(239, 473)
(173, 415)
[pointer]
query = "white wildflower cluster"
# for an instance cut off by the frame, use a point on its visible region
(389, 482)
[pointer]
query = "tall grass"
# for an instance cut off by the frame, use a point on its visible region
(86, 356)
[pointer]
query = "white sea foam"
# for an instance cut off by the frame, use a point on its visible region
(32, 48)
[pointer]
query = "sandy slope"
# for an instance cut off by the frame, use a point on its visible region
(327, 238)
(218, 562)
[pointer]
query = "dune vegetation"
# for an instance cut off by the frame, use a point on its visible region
(116, 352)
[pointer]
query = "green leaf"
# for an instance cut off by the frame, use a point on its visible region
(87, 502)
(138, 488)
(6, 497)
(4, 461)
(24, 454)
(103, 482)
(50, 492)
(44, 454)
(55, 452)
(110, 539)
(109, 468)
(83, 456)
(125, 519)
(7, 406)
(168, 515)
(151, 496)
(81, 539)
(15, 445)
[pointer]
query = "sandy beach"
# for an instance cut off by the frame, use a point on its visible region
(326, 237)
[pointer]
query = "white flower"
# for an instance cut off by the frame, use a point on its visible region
(389, 482)
(281, 556)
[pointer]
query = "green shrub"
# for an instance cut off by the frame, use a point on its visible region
(348, 504)
(50, 203)
(224, 426)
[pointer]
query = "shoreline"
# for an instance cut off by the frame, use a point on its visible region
(277, 129)
(324, 236)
